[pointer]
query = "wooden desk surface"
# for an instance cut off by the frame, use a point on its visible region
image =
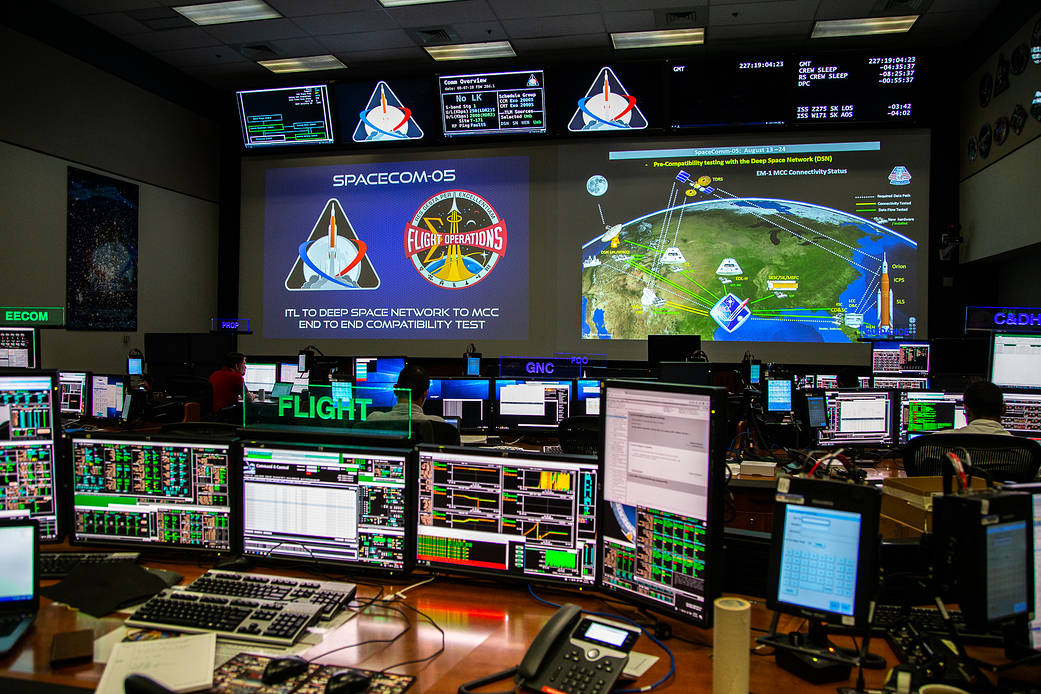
(487, 629)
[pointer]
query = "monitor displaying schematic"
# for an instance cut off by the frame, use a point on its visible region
(28, 452)
(515, 514)
(531, 404)
(858, 418)
(171, 493)
(19, 348)
(1022, 415)
(895, 357)
(362, 495)
(929, 412)
(663, 455)
(74, 392)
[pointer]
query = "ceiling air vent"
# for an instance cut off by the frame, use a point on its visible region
(432, 36)
(679, 17)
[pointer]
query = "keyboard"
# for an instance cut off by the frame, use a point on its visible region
(59, 564)
(266, 622)
(923, 620)
(329, 596)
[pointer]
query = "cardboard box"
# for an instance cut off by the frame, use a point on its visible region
(907, 504)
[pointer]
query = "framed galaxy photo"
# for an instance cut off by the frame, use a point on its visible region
(101, 253)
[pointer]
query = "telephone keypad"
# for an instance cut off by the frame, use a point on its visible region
(574, 674)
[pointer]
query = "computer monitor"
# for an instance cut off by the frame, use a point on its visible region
(929, 412)
(858, 418)
(827, 381)
(586, 398)
(899, 357)
(473, 365)
(260, 375)
(816, 411)
(362, 493)
(289, 372)
(106, 396)
(151, 492)
(19, 348)
(900, 383)
(28, 434)
(135, 366)
(1022, 414)
(806, 381)
(823, 552)
(514, 514)
(531, 404)
(863, 381)
(74, 392)
(380, 395)
(662, 525)
(377, 369)
(1033, 635)
(671, 348)
(467, 400)
(779, 396)
(1015, 361)
(754, 372)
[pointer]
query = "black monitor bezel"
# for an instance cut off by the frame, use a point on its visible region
(990, 366)
(328, 444)
(766, 397)
(34, 348)
(828, 495)
(506, 455)
(126, 387)
(893, 420)
(509, 423)
(876, 345)
(488, 399)
(88, 392)
(154, 439)
(718, 443)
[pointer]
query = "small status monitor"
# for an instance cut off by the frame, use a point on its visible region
(754, 372)
(135, 366)
(285, 116)
(1022, 415)
(29, 433)
(493, 103)
(586, 398)
(1015, 361)
(106, 396)
(260, 375)
(513, 514)
(74, 392)
(377, 369)
(473, 365)
(898, 357)
(827, 381)
(663, 455)
(824, 551)
(332, 504)
(816, 411)
(531, 404)
(779, 396)
(19, 348)
(899, 383)
(928, 412)
(154, 492)
(466, 400)
(289, 372)
(1033, 633)
(858, 418)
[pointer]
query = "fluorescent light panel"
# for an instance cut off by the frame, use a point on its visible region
(656, 39)
(308, 64)
(472, 51)
(228, 12)
(864, 26)
(402, 3)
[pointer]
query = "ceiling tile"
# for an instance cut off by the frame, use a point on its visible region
(636, 20)
(82, 8)
(779, 30)
(201, 56)
(515, 9)
(442, 13)
(304, 8)
(473, 32)
(844, 9)
(562, 43)
(345, 22)
(553, 26)
(173, 39)
(117, 23)
(366, 40)
(414, 53)
(240, 32)
(762, 12)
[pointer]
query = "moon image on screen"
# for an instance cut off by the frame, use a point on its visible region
(596, 185)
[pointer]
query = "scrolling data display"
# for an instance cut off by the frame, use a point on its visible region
(361, 494)
(656, 470)
(493, 103)
(529, 516)
(173, 494)
(27, 451)
(858, 419)
(285, 116)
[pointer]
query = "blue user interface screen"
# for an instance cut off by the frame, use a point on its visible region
(778, 395)
(1007, 570)
(377, 369)
(819, 554)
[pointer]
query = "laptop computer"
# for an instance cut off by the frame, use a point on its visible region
(281, 390)
(19, 581)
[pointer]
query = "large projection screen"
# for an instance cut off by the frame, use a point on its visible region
(761, 242)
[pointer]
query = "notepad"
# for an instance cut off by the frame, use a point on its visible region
(183, 664)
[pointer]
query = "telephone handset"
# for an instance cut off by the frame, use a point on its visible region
(576, 654)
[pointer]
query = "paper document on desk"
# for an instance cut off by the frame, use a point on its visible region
(183, 664)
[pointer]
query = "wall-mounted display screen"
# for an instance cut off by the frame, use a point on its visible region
(384, 111)
(285, 116)
(493, 103)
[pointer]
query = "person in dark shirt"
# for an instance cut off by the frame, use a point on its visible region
(228, 383)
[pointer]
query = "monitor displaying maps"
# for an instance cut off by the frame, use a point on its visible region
(769, 238)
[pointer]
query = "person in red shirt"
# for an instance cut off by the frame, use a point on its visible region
(227, 381)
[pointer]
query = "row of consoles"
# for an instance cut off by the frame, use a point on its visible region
(643, 521)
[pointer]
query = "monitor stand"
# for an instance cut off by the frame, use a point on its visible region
(813, 657)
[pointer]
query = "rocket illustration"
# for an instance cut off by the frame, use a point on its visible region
(332, 240)
(884, 304)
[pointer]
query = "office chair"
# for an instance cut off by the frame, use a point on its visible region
(580, 434)
(192, 389)
(139, 684)
(209, 430)
(442, 433)
(1004, 458)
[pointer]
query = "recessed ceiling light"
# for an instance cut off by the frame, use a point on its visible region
(308, 64)
(401, 3)
(655, 39)
(864, 26)
(471, 51)
(228, 12)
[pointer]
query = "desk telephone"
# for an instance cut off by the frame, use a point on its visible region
(576, 654)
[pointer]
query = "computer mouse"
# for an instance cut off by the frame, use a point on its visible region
(278, 670)
(348, 682)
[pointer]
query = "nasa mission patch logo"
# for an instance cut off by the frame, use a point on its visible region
(455, 239)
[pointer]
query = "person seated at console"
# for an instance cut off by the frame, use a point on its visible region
(413, 384)
(984, 404)
(228, 383)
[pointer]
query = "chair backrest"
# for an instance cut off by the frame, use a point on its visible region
(443, 433)
(1005, 458)
(194, 389)
(580, 434)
